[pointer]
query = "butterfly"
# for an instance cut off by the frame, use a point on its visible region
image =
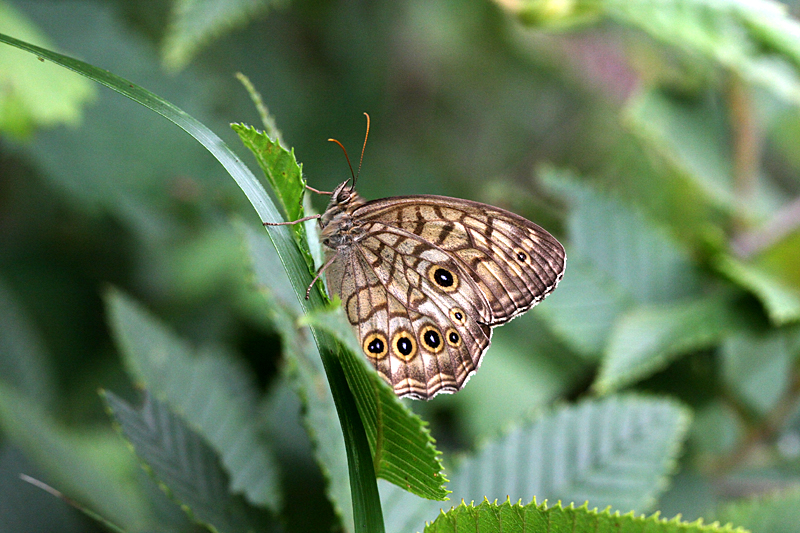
(424, 279)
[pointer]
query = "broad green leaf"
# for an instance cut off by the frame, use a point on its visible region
(194, 23)
(623, 245)
(525, 370)
(621, 259)
(781, 301)
(535, 518)
(215, 396)
(647, 338)
(24, 361)
(35, 94)
(613, 452)
(402, 447)
(186, 465)
(305, 371)
(92, 468)
(692, 135)
(776, 513)
(758, 368)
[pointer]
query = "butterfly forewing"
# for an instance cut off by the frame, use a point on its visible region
(423, 279)
(515, 262)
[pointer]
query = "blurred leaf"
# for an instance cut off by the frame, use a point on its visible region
(621, 258)
(24, 361)
(305, 370)
(186, 465)
(35, 94)
(403, 449)
(516, 518)
(777, 513)
(622, 244)
(758, 368)
(25, 507)
(691, 134)
(616, 451)
(584, 308)
(757, 39)
(94, 469)
(525, 370)
(781, 301)
(214, 395)
(196, 22)
(647, 338)
(716, 430)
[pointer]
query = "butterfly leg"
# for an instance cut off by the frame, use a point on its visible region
(309, 217)
(328, 263)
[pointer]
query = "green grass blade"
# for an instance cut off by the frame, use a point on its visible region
(366, 501)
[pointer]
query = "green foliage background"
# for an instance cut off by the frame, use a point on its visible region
(658, 141)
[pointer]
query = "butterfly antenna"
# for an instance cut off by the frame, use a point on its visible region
(346, 157)
(366, 136)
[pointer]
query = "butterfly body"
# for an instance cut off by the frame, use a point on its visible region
(424, 279)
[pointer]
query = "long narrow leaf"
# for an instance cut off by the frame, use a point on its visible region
(366, 501)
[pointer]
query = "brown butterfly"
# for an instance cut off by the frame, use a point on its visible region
(424, 279)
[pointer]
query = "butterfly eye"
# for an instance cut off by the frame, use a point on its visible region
(432, 339)
(457, 315)
(453, 338)
(375, 345)
(404, 346)
(443, 278)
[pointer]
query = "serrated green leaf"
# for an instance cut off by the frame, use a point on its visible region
(781, 301)
(206, 387)
(535, 518)
(618, 241)
(616, 451)
(70, 460)
(196, 22)
(621, 257)
(776, 513)
(306, 373)
(647, 338)
(402, 447)
(284, 173)
(34, 93)
(187, 466)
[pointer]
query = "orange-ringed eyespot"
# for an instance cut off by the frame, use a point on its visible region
(431, 339)
(520, 254)
(443, 278)
(375, 345)
(453, 338)
(457, 315)
(404, 346)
